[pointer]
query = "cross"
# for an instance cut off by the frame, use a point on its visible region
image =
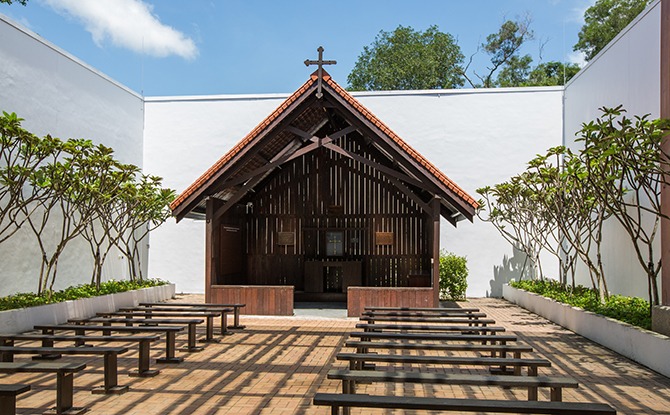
(320, 62)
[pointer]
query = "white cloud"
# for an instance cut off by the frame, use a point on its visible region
(577, 57)
(577, 12)
(128, 24)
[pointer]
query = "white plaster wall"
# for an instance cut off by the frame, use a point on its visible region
(476, 137)
(58, 94)
(626, 72)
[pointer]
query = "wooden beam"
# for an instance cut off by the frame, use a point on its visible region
(211, 245)
(665, 113)
(435, 205)
(426, 208)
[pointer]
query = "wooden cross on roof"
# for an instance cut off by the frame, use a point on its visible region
(320, 62)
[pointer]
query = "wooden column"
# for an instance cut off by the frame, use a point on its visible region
(435, 205)
(665, 113)
(212, 231)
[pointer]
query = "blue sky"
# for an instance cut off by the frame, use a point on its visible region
(196, 47)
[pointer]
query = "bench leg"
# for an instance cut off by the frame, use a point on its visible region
(144, 363)
(532, 393)
(334, 410)
(209, 335)
(170, 349)
(224, 324)
(556, 394)
(8, 405)
(111, 385)
(236, 321)
(191, 339)
(64, 396)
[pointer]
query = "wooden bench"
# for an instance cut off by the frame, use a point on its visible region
(425, 327)
(495, 349)
(412, 319)
(336, 401)
(425, 309)
(442, 314)
(111, 385)
(209, 333)
(236, 309)
(349, 379)
(170, 335)
(130, 322)
(440, 337)
(8, 394)
(144, 359)
(223, 312)
(64, 381)
(357, 361)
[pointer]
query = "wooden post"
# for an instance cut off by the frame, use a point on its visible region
(435, 204)
(212, 230)
(665, 113)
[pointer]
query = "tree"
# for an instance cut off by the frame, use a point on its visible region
(23, 2)
(603, 21)
(625, 161)
(551, 73)
(502, 47)
(408, 59)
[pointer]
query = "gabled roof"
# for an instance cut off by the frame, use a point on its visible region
(271, 137)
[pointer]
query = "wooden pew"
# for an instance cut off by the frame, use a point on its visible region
(130, 322)
(64, 381)
(437, 310)
(235, 307)
(144, 359)
(440, 337)
(429, 328)
(111, 385)
(495, 349)
(412, 319)
(349, 379)
(336, 401)
(357, 361)
(442, 314)
(170, 335)
(209, 336)
(223, 312)
(8, 394)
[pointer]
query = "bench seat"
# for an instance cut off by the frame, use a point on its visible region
(236, 309)
(110, 386)
(440, 337)
(429, 328)
(349, 379)
(419, 319)
(336, 401)
(495, 349)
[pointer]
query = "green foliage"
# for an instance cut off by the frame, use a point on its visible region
(453, 276)
(603, 21)
(23, 2)
(23, 300)
(503, 48)
(408, 59)
(631, 310)
(551, 73)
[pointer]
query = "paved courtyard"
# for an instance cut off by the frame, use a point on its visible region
(277, 364)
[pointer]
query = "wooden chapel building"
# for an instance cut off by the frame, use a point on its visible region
(322, 202)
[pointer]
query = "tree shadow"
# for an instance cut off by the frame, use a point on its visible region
(514, 267)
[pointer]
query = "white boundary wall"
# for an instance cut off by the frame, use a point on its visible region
(476, 137)
(58, 94)
(626, 72)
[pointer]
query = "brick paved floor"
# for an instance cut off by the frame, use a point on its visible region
(276, 365)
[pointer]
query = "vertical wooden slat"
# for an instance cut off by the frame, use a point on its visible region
(665, 113)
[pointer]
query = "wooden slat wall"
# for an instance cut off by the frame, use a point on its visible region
(360, 297)
(299, 198)
(259, 300)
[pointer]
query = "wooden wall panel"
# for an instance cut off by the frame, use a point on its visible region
(360, 297)
(259, 300)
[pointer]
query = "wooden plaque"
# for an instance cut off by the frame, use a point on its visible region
(384, 238)
(286, 238)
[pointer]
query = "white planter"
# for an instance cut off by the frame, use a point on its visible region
(24, 319)
(643, 346)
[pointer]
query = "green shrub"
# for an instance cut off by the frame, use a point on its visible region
(632, 310)
(453, 276)
(23, 300)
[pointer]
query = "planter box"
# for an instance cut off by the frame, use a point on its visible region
(643, 346)
(24, 319)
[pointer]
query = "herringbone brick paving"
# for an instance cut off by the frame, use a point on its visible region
(277, 364)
